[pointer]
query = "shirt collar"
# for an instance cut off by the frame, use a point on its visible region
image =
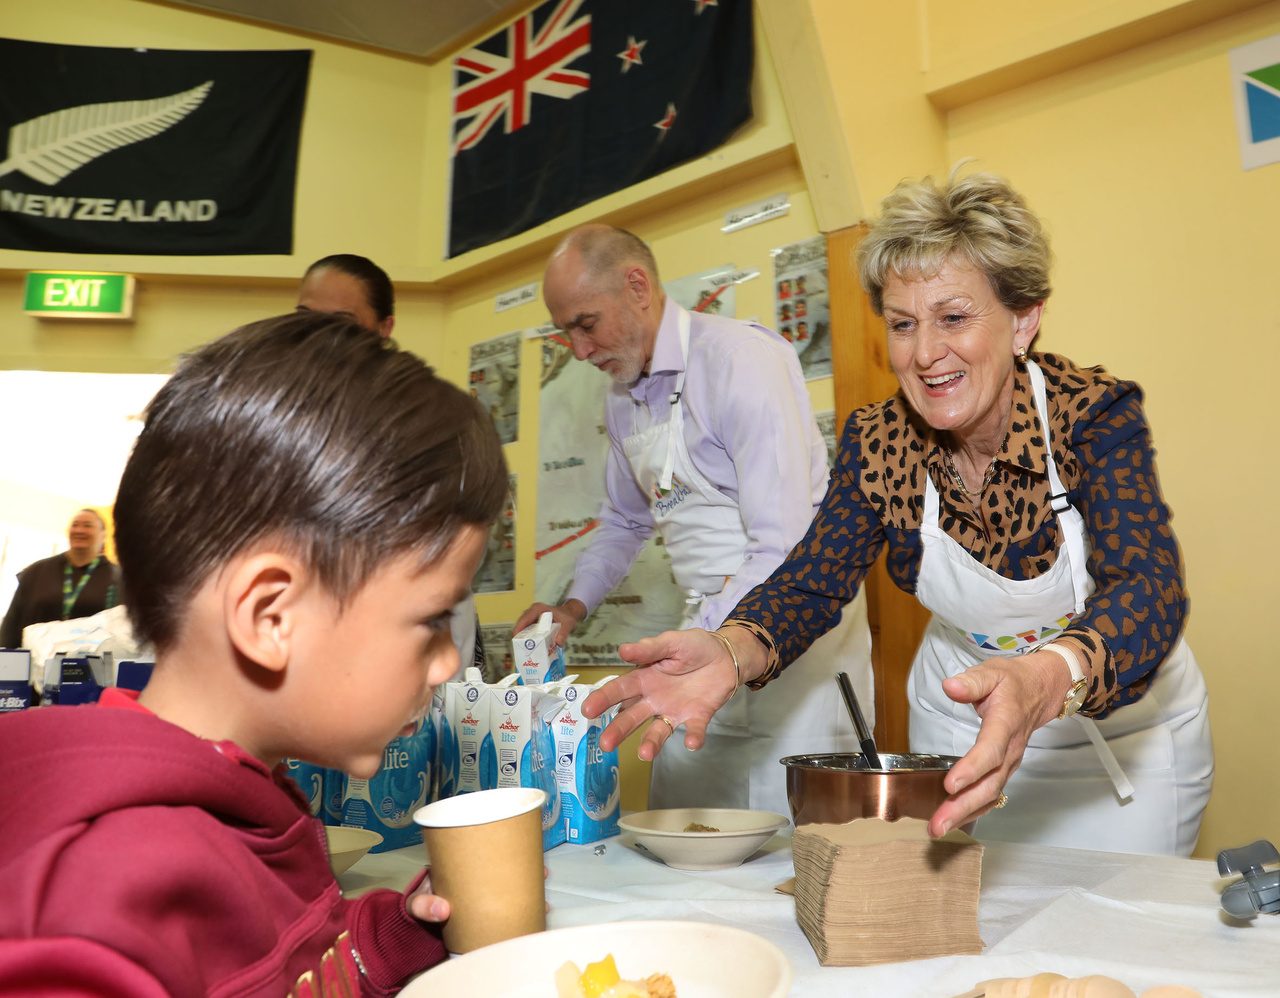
(668, 359)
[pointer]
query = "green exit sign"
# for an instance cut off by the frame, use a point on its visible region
(79, 294)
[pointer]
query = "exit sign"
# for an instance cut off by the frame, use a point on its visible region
(79, 294)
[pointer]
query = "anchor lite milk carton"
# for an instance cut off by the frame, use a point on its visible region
(590, 790)
(385, 802)
(534, 664)
(464, 725)
(524, 746)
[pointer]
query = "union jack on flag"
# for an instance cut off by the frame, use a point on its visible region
(534, 62)
(580, 98)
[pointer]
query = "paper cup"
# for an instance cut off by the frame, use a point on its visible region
(485, 851)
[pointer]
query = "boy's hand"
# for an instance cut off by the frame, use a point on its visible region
(427, 907)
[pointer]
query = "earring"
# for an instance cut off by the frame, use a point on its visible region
(1022, 354)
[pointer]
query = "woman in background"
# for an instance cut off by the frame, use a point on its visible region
(79, 582)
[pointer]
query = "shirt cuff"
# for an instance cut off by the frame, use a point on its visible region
(1099, 668)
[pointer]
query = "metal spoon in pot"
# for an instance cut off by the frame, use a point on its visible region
(865, 739)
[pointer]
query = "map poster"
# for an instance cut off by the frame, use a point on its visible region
(800, 303)
(497, 572)
(496, 641)
(495, 381)
(573, 450)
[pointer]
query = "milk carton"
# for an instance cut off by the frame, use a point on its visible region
(385, 803)
(534, 664)
(464, 724)
(587, 776)
(15, 679)
(444, 781)
(547, 703)
(309, 779)
(510, 732)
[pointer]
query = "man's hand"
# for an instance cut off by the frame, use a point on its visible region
(568, 615)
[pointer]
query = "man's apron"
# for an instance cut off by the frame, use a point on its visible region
(1139, 780)
(801, 711)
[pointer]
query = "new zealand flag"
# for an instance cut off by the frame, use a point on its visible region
(111, 150)
(580, 98)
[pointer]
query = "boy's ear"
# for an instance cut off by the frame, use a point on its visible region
(263, 601)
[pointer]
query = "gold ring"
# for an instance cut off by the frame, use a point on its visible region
(666, 720)
(1002, 800)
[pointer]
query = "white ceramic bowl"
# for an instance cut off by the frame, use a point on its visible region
(662, 834)
(346, 845)
(703, 961)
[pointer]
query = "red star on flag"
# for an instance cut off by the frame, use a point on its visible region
(667, 121)
(630, 55)
(704, 4)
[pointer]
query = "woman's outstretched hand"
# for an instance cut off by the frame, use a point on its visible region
(681, 677)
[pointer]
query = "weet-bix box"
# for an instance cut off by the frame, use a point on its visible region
(385, 803)
(15, 679)
(590, 791)
(534, 664)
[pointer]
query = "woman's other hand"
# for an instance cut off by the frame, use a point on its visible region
(681, 677)
(1013, 696)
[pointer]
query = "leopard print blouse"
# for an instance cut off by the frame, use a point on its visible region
(1102, 446)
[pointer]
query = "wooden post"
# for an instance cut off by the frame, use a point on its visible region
(860, 366)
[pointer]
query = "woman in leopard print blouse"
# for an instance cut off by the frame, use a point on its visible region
(1017, 496)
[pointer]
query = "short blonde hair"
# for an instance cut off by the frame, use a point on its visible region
(978, 219)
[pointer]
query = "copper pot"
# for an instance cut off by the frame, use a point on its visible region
(839, 788)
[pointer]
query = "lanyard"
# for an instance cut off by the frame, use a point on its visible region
(69, 595)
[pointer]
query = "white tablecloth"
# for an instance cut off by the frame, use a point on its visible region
(1143, 920)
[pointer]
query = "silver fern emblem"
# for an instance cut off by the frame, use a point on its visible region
(53, 145)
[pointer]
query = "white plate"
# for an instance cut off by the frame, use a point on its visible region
(703, 961)
(662, 834)
(346, 845)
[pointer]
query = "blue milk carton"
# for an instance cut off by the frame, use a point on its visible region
(335, 791)
(15, 679)
(309, 779)
(385, 803)
(464, 722)
(534, 664)
(590, 790)
(444, 781)
(547, 702)
(510, 730)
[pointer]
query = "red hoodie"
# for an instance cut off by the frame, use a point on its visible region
(137, 859)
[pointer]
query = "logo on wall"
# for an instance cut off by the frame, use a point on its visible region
(189, 153)
(1256, 72)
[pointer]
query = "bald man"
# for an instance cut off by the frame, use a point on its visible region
(714, 445)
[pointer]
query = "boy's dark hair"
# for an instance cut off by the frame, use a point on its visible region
(306, 429)
(377, 285)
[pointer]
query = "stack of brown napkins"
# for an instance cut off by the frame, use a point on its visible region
(874, 891)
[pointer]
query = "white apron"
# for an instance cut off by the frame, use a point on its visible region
(1145, 788)
(800, 712)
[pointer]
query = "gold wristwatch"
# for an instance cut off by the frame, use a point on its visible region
(1075, 697)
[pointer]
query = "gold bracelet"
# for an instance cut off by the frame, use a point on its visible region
(737, 669)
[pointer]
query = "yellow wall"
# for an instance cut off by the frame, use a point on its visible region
(1114, 117)
(1116, 121)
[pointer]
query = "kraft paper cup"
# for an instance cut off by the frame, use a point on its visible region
(485, 850)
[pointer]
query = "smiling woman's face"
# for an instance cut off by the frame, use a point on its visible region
(952, 345)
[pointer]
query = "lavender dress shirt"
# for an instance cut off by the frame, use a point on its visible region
(750, 430)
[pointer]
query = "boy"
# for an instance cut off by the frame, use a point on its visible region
(303, 509)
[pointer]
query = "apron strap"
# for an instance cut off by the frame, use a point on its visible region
(1070, 522)
(676, 421)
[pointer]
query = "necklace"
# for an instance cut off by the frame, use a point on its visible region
(955, 477)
